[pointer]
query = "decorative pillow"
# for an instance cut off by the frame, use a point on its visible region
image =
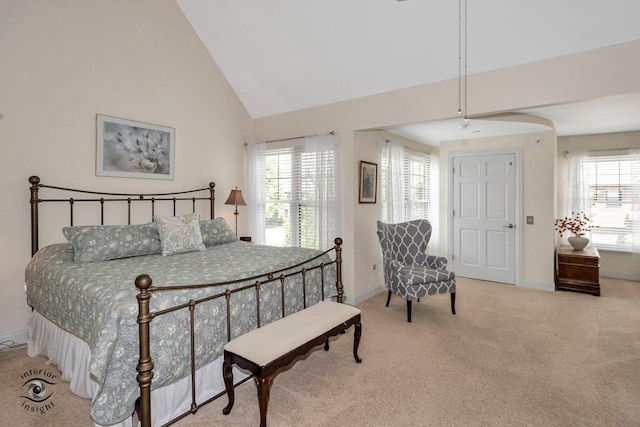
(92, 243)
(216, 232)
(180, 234)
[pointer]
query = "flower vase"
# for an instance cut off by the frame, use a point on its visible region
(578, 242)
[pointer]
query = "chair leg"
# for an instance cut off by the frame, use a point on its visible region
(453, 302)
(388, 298)
(228, 381)
(409, 310)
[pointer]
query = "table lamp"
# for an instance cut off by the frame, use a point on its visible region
(235, 198)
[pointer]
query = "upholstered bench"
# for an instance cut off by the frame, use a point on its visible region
(267, 350)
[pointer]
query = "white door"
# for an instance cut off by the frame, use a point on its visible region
(484, 212)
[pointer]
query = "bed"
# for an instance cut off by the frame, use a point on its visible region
(141, 331)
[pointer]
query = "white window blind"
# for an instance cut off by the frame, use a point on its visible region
(280, 195)
(609, 181)
(415, 177)
(385, 183)
(301, 196)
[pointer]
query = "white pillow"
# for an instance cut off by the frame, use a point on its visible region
(180, 234)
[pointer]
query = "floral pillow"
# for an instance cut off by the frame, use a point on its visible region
(216, 232)
(92, 243)
(180, 234)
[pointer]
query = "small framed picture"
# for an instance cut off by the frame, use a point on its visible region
(130, 149)
(368, 182)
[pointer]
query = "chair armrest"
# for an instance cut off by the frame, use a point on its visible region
(437, 262)
(392, 264)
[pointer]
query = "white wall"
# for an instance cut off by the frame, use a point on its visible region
(65, 61)
(366, 243)
(591, 74)
(612, 263)
(364, 227)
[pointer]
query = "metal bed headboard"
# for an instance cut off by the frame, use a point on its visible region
(103, 198)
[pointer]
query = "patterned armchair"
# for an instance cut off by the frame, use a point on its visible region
(408, 271)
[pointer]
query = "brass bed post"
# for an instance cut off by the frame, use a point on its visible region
(71, 202)
(145, 365)
(304, 287)
(212, 190)
(35, 186)
(192, 333)
(339, 285)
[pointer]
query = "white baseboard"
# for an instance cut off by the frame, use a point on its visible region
(357, 299)
(20, 337)
(537, 285)
(616, 275)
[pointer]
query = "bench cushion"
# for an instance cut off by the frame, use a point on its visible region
(269, 342)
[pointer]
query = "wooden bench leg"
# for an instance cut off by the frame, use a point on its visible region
(227, 369)
(264, 375)
(356, 341)
(264, 386)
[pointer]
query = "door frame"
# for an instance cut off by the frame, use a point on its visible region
(517, 153)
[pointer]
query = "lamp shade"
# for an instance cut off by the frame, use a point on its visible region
(235, 198)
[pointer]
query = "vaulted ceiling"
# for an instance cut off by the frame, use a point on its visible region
(285, 55)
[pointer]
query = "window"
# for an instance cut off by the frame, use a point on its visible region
(279, 203)
(301, 193)
(417, 189)
(406, 184)
(605, 191)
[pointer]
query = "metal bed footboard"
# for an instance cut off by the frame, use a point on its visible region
(145, 317)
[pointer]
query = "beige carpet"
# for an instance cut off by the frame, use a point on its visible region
(510, 357)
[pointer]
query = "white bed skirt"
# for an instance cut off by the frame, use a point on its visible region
(72, 356)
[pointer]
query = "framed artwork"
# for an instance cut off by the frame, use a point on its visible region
(368, 182)
(133, 149)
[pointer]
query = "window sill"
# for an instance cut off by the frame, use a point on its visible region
(610, 249)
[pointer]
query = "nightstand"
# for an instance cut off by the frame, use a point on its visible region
(578, 270)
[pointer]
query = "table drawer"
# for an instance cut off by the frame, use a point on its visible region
(579, 260)
(577, 272)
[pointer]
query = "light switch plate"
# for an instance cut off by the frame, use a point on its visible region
(529, 219)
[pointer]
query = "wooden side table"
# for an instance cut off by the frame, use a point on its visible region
(578, 270)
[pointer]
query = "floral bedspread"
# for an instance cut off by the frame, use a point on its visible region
(97, 303)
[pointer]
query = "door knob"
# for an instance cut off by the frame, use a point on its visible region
(508, 226)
